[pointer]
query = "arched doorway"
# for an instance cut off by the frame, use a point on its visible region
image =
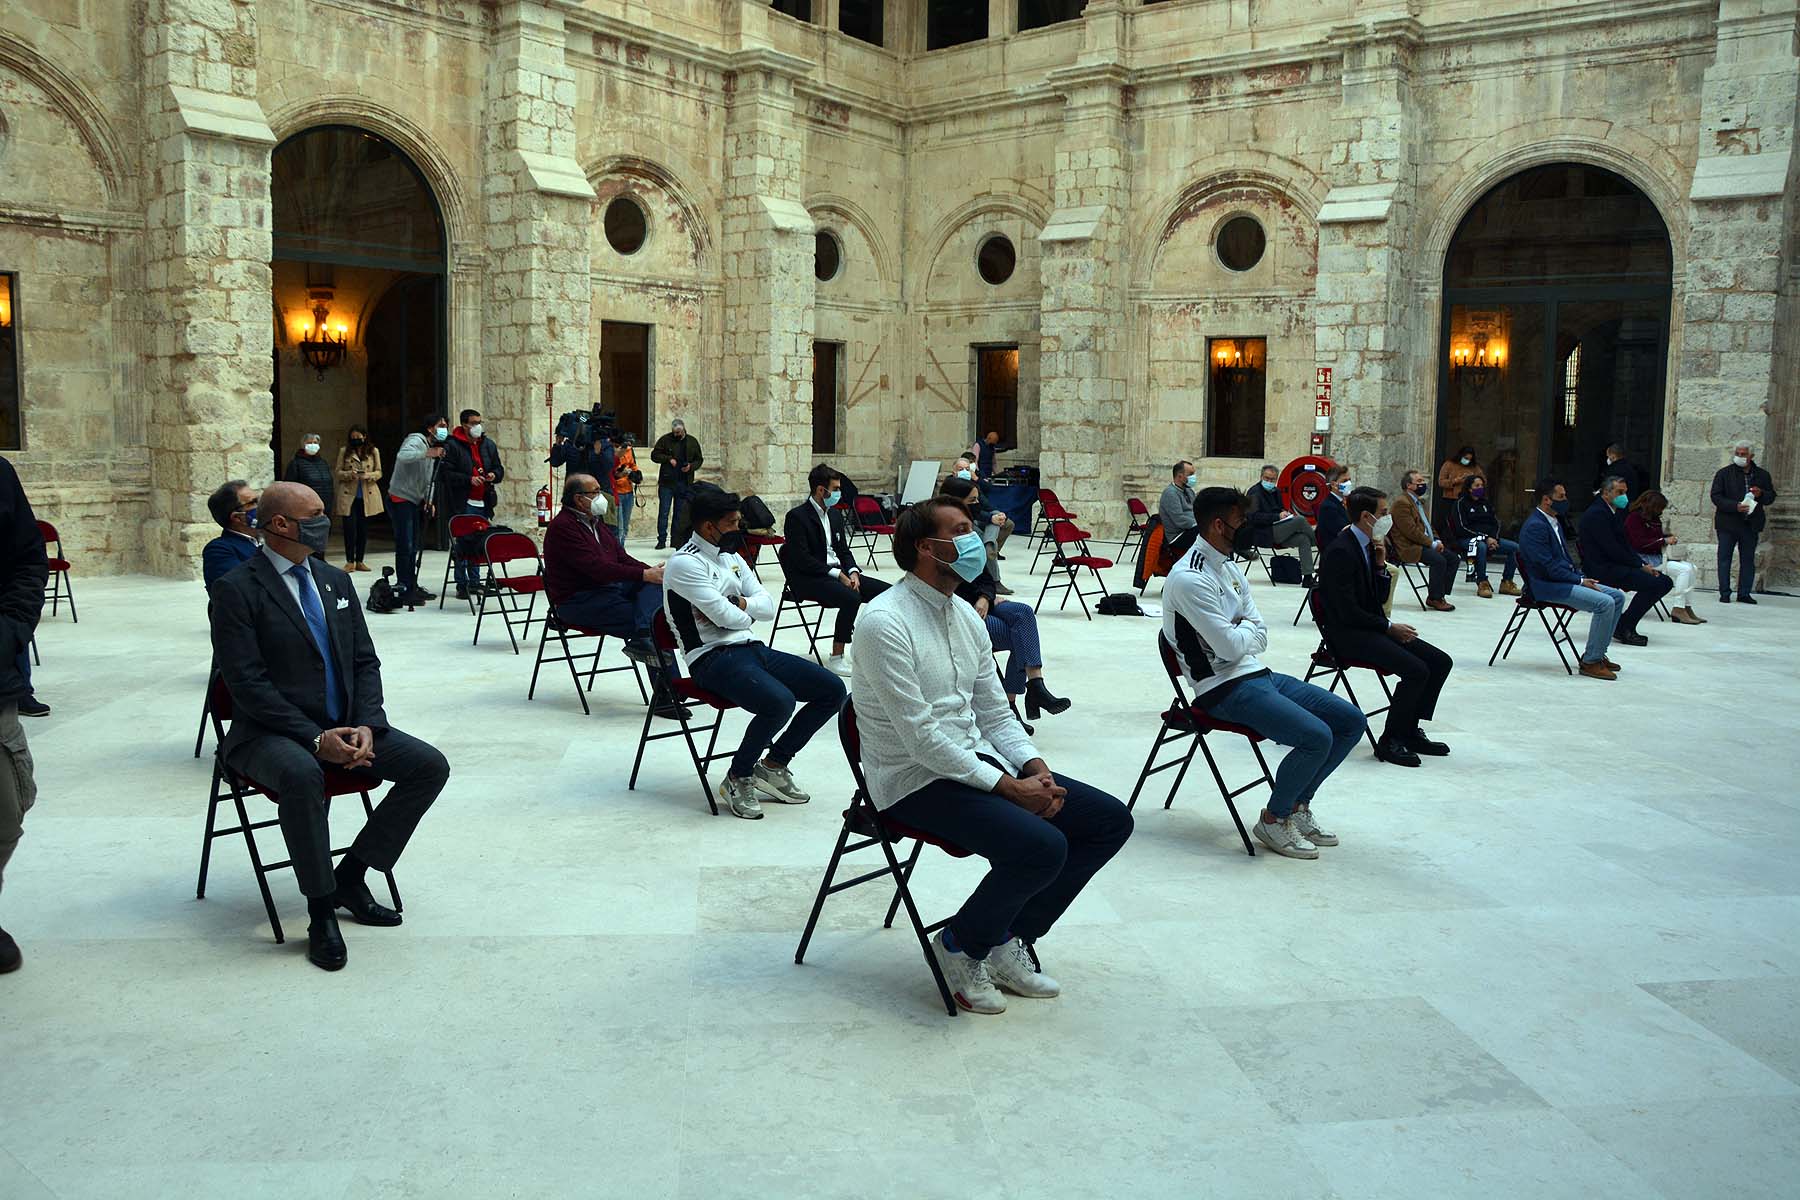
(360, 238)
(1555, 333)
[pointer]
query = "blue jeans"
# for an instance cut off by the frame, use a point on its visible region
(1036, 867)
(1743, 539)
(467, 574)
(1319, 728)
(1013, 627)
(403, 515)
(668, 497)
(1509, 550)
(768, 685)
(621, 609)
(1607, 604)
(626, 500)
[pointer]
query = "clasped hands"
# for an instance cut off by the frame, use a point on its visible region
(347, 746)
(1035, 791)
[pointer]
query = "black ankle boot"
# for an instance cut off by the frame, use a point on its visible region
(1039, 700)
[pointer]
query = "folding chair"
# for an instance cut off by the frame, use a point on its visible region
(872, 522)
(460, 527)
(213, 680)
(873, 828)
(1417, 579)
(505, 589)
(795, 609)
(1254, 554)
(688, 692)
(228, 784)
(1140, 522)
(1306, 599)
(553, 624)
(1056, 517)
(1327, 659)
(1556, 626)
(753, 548)
(1070, 566)
(1186, 720)
(60, 588)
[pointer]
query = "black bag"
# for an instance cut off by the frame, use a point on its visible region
(1119, 604)
(756, 514)
(1284, 569)
(469, 544)
(382, 596)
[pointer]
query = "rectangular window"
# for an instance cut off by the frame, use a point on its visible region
(800, 10)
(1234, 422)
(997, 392)
(861, 19)
(12, 426)
(1035, 14)
(953, 22)
(828, 361)
(625, 370)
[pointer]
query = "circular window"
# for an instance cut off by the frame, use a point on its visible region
(625, 225)
(996, 259)
(1240, 244)
(828, 256)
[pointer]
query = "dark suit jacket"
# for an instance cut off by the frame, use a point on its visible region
(222, 554)
(1606, 553)
(1350, 594)
(803, 553)
(23, 572)
(1729, 485)
(277, 680)
(1332, 519)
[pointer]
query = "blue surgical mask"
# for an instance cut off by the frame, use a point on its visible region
(831, 501)
(250, 516)
(1622, 500)
(1268, 485)
(971, 555)
(965, 475)
(441, 433)
(1345, 488)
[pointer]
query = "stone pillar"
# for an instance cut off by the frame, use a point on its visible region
(208, 330)
(766, 249)
(1083, 315)
(1738, 351)
(1370, 327)
(539, 220)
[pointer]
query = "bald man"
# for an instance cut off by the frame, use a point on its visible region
(289, 637)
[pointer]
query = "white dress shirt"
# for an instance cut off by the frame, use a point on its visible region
(928, 699)
(282, 567)
(831, 558)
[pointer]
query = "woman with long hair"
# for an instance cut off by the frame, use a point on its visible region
(1644, 530)
(358, 475)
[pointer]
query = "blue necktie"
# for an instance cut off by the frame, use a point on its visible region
(314, 612)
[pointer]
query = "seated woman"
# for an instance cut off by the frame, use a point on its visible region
(1644, 530)
(1476, 528)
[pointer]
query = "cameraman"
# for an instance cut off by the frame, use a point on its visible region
(680, 457)
(584, 444)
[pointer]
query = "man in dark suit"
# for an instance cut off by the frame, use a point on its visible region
(23, 573)
(1606, 555)
(1617, 464)
(289, 637)
(1332, 518)
(818, 564)
(1353, 582)
(233, 506)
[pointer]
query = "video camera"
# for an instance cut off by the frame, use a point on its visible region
(584, 427)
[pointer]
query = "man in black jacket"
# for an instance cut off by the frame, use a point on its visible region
(1332, 518)
(472, 473)
(1353, 582)
(1740, 492)
(1606, 555)
(1275, 526)
(680, 456)
(23, 572)
(817, 562)
(289, 637)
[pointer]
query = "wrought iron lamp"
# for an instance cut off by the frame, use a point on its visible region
(319, 348)
(1477, 363)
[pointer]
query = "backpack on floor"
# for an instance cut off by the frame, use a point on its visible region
(1119, 604)
(1283, 569)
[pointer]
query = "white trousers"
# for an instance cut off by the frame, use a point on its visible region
(1681, 579)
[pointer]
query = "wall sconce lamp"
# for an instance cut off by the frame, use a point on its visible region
(6, 322)
(319, 347)
(1477, 363)
(1229, 364)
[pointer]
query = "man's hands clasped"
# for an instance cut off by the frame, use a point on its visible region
(1035, 790)
(347, 746)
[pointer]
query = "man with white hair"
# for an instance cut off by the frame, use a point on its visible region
(1740, 492)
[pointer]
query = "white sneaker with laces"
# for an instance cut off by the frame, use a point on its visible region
(1284, 839)
(970, 984)
(739, 796)
(1011, 968)
(838, 664)
(1309, 828)
(777, 783)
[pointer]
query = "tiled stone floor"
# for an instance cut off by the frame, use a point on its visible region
(1560, 963)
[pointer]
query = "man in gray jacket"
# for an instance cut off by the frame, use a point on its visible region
(411, 491)
(1176, 508)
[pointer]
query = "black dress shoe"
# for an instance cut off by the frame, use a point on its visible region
(1418, 743)
(673, 711)
(1396, 753)
(325, 947)
(1631, 638)
(1724, 598)
(362, 907)
(10, 958)
(31, 706)
(1746, 599)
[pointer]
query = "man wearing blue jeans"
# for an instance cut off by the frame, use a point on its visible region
(943, 753)
(713, 600)
(1217, 632)
(1551, 577)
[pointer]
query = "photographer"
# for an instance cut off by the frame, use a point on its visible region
(584, 444)
(625, 478)
(680, 457)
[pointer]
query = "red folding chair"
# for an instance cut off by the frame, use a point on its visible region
(462, 526)
(1328, 659)
(872, 522)
(505, 589)
(1185, 720)
(687, 692)
(565, 634)
(60, 588)
(235, 786)
(791, 613)
(872, 827)
(1068, 566)
(1056, 517)
(1554, 617)
(753, 547)
(1140, 522)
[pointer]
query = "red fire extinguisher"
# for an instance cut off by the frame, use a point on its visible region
(543, 507)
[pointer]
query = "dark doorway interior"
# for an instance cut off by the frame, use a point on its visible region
(997, 392)
(625, 375)
(403, 384)
(827, 359)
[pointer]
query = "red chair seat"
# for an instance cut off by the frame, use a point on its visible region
(1087, 560)
(900, 831)
(765, 539)
(687, 689)
(524, 583)
(59, 564)
(338, 782)
(887, 529)
(1191, 716)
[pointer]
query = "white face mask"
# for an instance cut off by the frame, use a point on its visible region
(1466, 460)
(1742, 460)
(597, 505)
(475, 430)
(1384, 524)
(311, 447)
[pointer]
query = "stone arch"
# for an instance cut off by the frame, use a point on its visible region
(1293, 189)
(853, 214)
(97, 136)
(634, 168)
(988, 204)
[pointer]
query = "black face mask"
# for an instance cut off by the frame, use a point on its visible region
(1559, 507)
(1243, 538)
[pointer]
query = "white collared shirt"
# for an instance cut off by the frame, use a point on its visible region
(928, 699)
(282, 567)
(831, 558)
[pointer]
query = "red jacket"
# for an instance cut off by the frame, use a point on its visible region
(579, 557)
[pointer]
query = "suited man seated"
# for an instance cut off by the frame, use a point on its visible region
(1607, 555)
(1353, 582)
(817, 562)
(1551, 578)
(1332, 518)
(233, 506)
(289, 637)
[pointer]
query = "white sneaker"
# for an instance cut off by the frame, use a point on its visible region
(777, 783)
(739, 796)
(838, 664)
(1309, 828)
(968, 979)
(1011, 967)
(1284, 839)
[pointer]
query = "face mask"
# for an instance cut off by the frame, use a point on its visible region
(315, 533)
(1741, 460)
(971, 556)
(1621, 500)
(356, 441)
(250, 517)
(475, 431)
(1268, 485)
(1383, 525)
(311, 447)
(731, 543)
(1345, 488)
(1421, 488)
(1466, 460)
(1559, 507)
(441, 433)
(1478, 492)
(831, 501)
(1187, 481)
(965, 475)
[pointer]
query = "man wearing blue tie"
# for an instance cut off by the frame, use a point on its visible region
(290, 640)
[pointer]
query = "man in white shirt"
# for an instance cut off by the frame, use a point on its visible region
(1217, 632)
(944, 754)
(713, 601)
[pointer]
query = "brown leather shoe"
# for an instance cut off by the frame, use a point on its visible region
(1612, 666)
(1598, 670)
(1440, 606)
(1485, 591)
(1509, 588)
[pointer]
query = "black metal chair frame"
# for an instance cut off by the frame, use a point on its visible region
(1557, 628)
(451, 557)
(813, 629)
(1064, 565)
(61, 587)
(553, 624)
(1418, 580)
(502, 589)
(1339, 667)
(685, 692)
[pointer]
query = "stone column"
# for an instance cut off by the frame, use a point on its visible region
(1370, 327)
(1083, 315)
(766, 248)
(1738, 350)
(539, 219)
(208, 330)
